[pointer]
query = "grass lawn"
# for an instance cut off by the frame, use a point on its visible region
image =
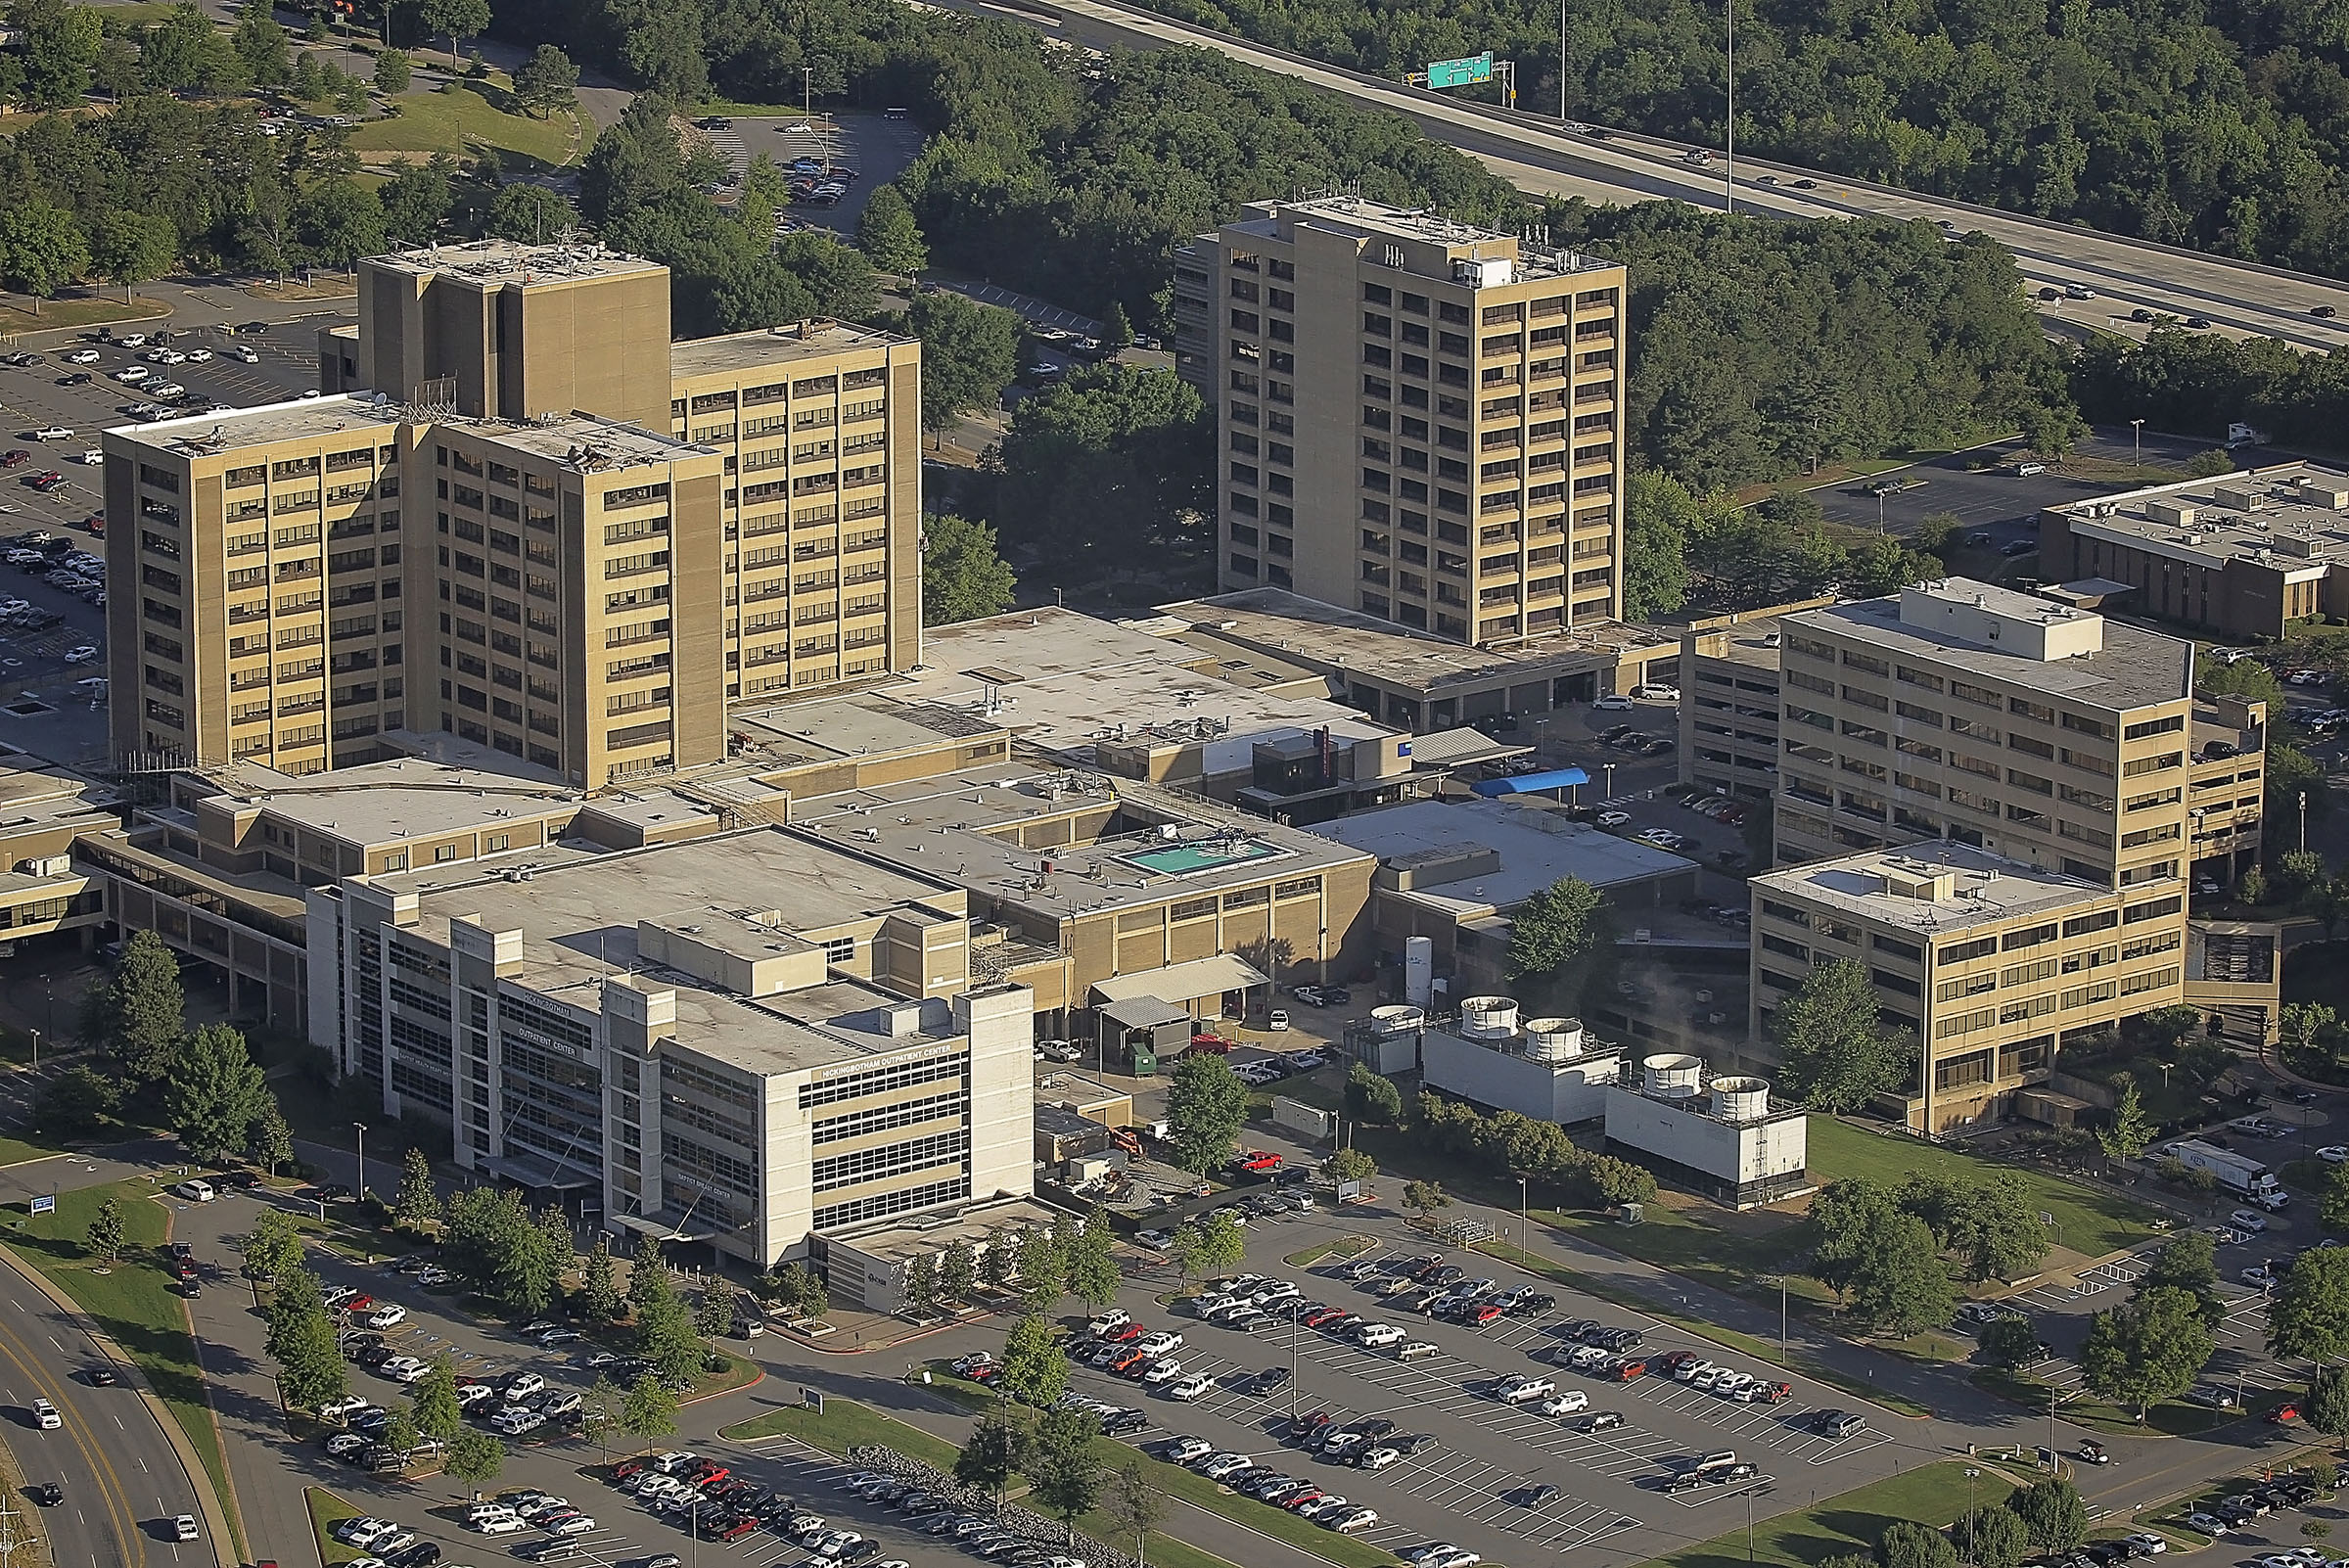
(972, 1397)
(1933, 1496)
(135, 13)
(131, 1304)
(841, 1426)
(465, 117)
(17, 313)
(2087, 1221)
(2174, 1419)
(326, 1511)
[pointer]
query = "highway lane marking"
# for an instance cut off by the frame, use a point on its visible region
(110, 1484)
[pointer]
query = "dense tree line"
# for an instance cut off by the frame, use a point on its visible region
(2198, 382)
(2212, 126)
(1062, 176)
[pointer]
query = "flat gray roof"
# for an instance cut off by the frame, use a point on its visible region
(301, 419)
(1290, 627)
(2239, 515)
(1360, 216)
(943, 825)
(2133, 668)
(782, 734)
(494, 262)
(586, 443)
(1067, 682)
(578, 928)
(1536, 847)
(405, 797)
(773, 345)
(1753, 643)
(1988, 888)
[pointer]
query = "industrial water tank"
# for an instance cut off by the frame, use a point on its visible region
(1553, 1040)
(1418, 969)
(1395, 1020)
(1742, 1099)
(1675, 1076)
(1489, 1017)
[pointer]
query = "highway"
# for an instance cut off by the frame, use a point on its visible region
(1534, 153)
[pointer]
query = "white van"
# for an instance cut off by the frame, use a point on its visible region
(196, 1190)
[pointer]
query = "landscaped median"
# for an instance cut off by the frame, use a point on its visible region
(327, 1512)
(845, 1424)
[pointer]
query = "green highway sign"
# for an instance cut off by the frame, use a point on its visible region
(1460, 73)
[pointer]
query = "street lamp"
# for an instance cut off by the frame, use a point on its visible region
(2137, 428)
(360, 1127)
(1525, 1222)
(1970, 1474)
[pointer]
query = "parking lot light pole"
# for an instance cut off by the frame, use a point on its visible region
(1525, 1220)
(360, 1127)
(1970, 1474)
(2136, 429)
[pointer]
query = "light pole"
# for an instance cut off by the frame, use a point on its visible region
(1609, 769)
(1879, 511)
(2137, 430)
(2304, 819)
(1561, 61)
(1524, 1221)
(1970, 1474)
(360, 1127)
(1730, 9)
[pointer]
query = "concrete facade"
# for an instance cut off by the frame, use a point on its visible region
(1715, 1136)
(1416, 419)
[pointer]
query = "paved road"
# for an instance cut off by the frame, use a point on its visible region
(123, 1482)
(2240, 299)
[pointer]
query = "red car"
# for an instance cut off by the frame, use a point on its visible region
(49, 481)
(1772, 1393)
(14, 459)
(1126, 1332)
(1624, 1371)
(741, 1527)
(986, 1373)
(709, 1473)
(1481, 1316)
(1311, 1494)
(359, 1303)
(2284, 1412)
(1324, 1315)
(627, 1470)
(1213, 1044)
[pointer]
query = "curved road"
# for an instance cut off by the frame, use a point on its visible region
(2239, 298)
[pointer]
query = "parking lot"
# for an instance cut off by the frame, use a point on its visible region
(1468, 1479)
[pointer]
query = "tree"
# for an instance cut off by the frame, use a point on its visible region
(1994, 1537)
(2333, 1213)
(799, 1292)
(1898, 1283)
(339, 220)
(2327, 1408)
(2149, 1350)
(1558, 938)
(1111, 441)
(76, 1102)
(1064, 1476)
(888, 235)
(666, 1336)
(270, 1138)
(418, 199)
(2131, 1130)
(599, 1412)
(1035, 1372)
(2008, 1341)
(970, 352)
(454, 19)
(2187, 1261)
(713, 1319)
(132, 247)
(1372, 1096)
(2210, 464)
(1089, 1260)
(599, 1295)
(61, 43)
(401, 1436)
(530, 212)
(140, 1011)
(650, 1410)
(547, 82)
(418, 1204)
(1425, 1197)
(2304, 1029)
(990, 1454)
(1834, 1053)
(1995, 1223)
(2308, 1313)
(2054, 1514)
(963, 578)
(310, 1370)
(213, 1092)
(1208, 1244)
(921, 1285)
(107, 1229)
(391, 72)
(647, 1276)
(957, 1271)
(1040, 1265)
(473, 1457)
(432, 1399)
(1206, 1108)
(273, 1247)
(1352, 1165)
(1905, 1543)
(1660, 513)
(1134, 1503)
(260, 43)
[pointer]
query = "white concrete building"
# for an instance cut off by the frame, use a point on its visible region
(1720, 1137)
(1550, 1069)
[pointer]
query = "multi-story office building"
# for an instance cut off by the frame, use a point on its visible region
(1730, 707)
(822, 510)
(2035, 730)
(772, 1038)
(510, 536)
(1415, 419)
(2243, 555)
(1992, 964)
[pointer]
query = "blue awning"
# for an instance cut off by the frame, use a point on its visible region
(1556, 778)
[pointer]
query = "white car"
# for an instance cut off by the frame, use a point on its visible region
(1566, 1403)
(1223, 1464)
(502, 1525)
(1518, 1390)
(199, 356)
(579, 1523)
(525, 1384)
(1161, 1343)
(53, 432)
(133, 375)
(1109, 1323)
(362, 1531)
(1613, 819)
(1182, 1451)
(1378, 1458)
(2258, 1275)
(183, 1528)
(1657, 693)
(1191, 1388)
(398, 1365)
(2148, 1545)
(2250, 1220)
(1690, 1372)
(45, 1416)
(82, 356)
(337, 1410)
(1613, 703)
(165, 357)
(169, 389)
(193, 1189)
(1277, 1020)
(1378, 1336)
(1163, 1372)
(246, 353)
(91, 457)
(391, 1315)
(1416, 1349)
